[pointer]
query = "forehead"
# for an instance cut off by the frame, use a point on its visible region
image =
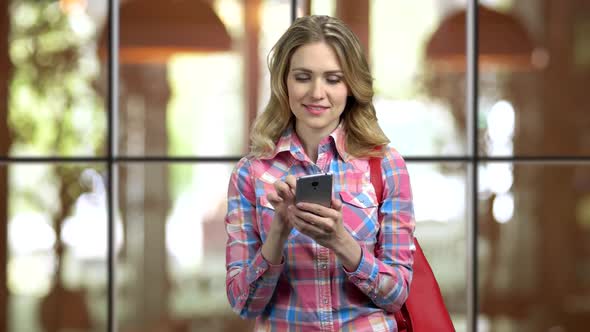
(317, 56)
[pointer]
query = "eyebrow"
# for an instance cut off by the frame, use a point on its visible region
(309, 71)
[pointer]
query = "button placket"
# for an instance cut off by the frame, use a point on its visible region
(324, 156)
(324, 288)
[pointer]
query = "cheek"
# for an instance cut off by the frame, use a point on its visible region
(295, 92)
(340, 96)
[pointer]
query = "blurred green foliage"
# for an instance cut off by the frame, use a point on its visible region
(54, 109)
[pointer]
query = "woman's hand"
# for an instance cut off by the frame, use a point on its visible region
(322, 224)
(281, 200)
(272, 248)
(326, 227)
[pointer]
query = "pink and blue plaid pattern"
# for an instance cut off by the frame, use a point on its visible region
(310, 290)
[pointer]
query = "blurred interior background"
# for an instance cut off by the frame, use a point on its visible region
(193, 77)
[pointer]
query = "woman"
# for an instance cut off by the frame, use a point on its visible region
(307, 267)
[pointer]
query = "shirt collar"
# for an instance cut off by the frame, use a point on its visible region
(289, 141)
(339, 138)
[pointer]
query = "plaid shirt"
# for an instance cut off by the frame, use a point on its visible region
(310, 290)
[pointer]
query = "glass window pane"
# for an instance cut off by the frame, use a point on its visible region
(193, 74)
(174, 229)
(171, 271)
(54, 108)
(534, 261)
(534, 77)
(419, 103)
(440, 207)
(57, 244)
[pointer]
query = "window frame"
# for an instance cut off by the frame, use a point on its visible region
(472, 159)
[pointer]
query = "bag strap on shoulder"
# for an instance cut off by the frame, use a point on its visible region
(424, 309)
(376, 177)
(376, 174)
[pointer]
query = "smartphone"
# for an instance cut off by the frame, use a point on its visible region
(314, 188)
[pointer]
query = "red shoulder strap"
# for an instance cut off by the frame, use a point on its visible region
(376, 177)
(425, 308)
(401, 317)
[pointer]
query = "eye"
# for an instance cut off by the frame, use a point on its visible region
(301, 77)
(334, 79)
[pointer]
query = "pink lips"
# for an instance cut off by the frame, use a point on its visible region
(316, 109)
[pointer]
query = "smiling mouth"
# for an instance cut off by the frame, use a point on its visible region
(315, 109)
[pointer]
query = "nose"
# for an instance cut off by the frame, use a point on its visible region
(317, 90)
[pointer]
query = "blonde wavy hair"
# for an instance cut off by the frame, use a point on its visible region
(364, 137)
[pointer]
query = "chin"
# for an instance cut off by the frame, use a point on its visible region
(318, 124)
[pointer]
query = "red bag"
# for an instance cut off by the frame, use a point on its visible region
(424, 310)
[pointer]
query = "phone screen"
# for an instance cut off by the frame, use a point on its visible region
(315, 188)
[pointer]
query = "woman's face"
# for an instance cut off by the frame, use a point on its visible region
(316, 89)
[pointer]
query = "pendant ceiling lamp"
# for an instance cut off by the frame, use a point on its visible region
(503, 43)
(150, 31)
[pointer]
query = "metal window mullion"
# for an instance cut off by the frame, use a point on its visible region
(113, 111)
(569, 159)
(293, 10)
(472, 143)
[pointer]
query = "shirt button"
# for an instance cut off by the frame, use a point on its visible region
(325, 301)
(324, 266)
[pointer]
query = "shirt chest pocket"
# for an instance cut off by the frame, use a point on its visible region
(359, 213)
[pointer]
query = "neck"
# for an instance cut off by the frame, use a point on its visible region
(311, 148)
(310, 139)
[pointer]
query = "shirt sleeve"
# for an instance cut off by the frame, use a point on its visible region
(250, 279)
(385, 274)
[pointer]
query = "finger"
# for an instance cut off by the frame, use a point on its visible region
(291, 182)
(283, 190)
(324, 224)
(306, 228)
(306, 216)
(274, 199)
(316, 209)
(277, 184)
(336, 204)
